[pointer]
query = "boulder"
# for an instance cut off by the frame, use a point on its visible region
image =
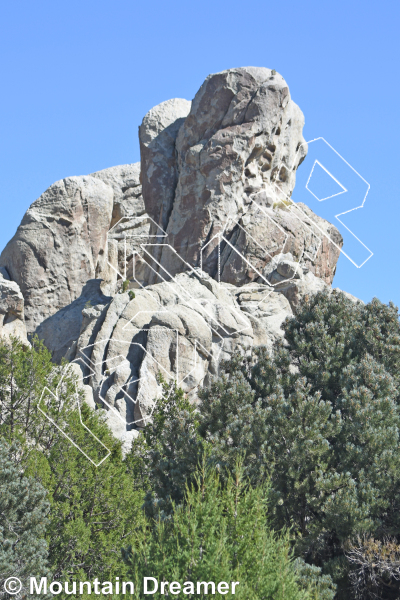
(243, 131)
(268, 233)
(157, 137)
(61, 330)
(59, 245)
(11, 308)
(64, 243)
(219, 182)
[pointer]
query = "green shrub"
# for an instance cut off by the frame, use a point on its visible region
(320, 419)
(88, 523)
(23, 518)
(220, 533)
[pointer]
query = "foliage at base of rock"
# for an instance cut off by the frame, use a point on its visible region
(88, 523)
(319, 418)
(219, 534)
(23, 518)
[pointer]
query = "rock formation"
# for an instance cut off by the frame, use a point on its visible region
(11, 308)
(167, 266)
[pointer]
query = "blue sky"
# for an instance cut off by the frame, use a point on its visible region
(77, 78)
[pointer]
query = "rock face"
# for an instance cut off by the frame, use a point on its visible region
(130, 224)
(11, 308)
(181, 330)
(228, 183)
(59, 245)
(157, 135)
(125, 182)
(61, 250)
(168, 266)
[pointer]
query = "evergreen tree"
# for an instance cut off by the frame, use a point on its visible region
(165, 457)
(218, 534)
(24, 375)
(93, 509)
(23, 518)
(324, 411)
(320, 417)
